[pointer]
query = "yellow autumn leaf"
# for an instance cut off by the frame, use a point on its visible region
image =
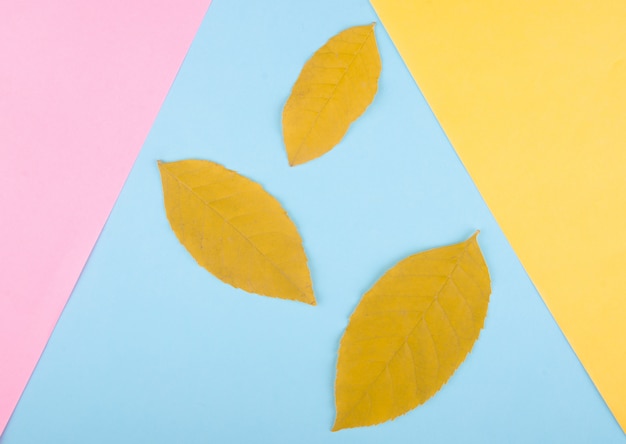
(235, 229)
(334, 88)
(409, 333)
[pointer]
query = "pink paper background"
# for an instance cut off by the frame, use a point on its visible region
(80, 85)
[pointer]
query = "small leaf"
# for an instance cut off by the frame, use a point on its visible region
(334, 88)
(235, 229)
(409, 333)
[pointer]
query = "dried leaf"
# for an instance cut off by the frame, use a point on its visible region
(410, 332)
(334, 88)
(235, 229)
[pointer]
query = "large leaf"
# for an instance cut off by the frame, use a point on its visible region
(334, 88)
(235, 229)
(410, 332)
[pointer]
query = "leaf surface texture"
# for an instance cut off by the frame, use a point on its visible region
(410, 332)
(235, 229)
(334, 88)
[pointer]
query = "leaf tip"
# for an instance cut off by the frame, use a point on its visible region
(293, 160)
(342, 422)
(161, 164)
(308, 297)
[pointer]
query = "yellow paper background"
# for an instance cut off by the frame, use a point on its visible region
(532, 96)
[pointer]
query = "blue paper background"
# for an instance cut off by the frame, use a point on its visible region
(152, 348)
